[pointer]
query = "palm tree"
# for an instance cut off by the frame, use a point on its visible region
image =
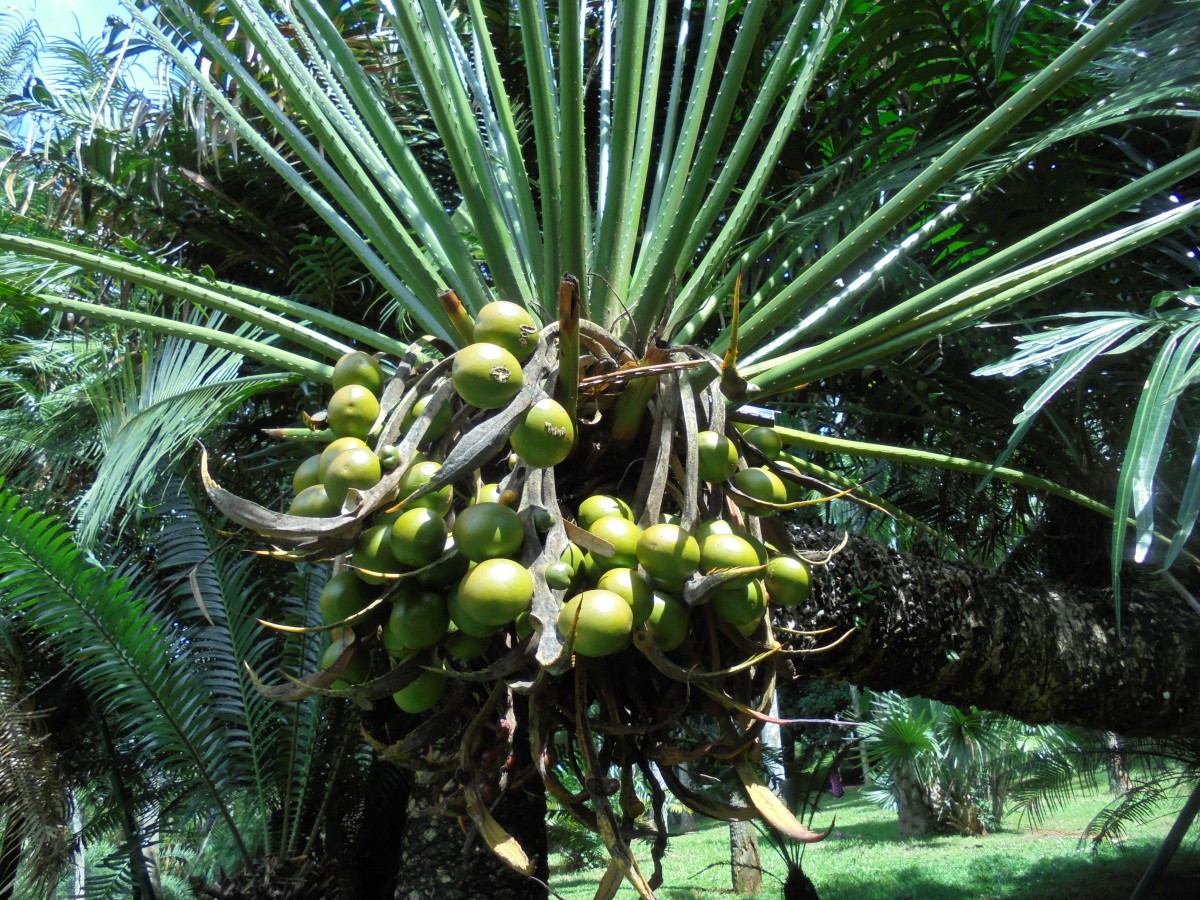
(719, 213)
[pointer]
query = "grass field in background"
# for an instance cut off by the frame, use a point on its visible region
(864, 860)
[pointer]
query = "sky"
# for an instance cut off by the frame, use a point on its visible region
(58, 17)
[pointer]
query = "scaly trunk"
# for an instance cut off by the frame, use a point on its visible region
(744, 862)
(1038, 651)
(915, 816)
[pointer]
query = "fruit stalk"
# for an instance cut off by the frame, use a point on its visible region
(459, 317)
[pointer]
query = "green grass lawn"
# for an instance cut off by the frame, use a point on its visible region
(864, 860)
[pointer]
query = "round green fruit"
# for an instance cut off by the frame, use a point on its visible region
(624, 537)
(462, 619)
(508, 325)
(728, 551)
(487, 531)
(418, 619)
(597, 622)
(668, 621)
(357, 367)
(486, 375)
(761, 486)
(438, 426)
(352, 411)
(741, 605)
(633, 588)
(357, 468)
(712, 526)
(496, 591)
(307, 474)
(418, 537)
(372, 555)
(423, 693)
(313, 502)
(488, 493)
(788, 581)
(358, 667)
(334, 449)
(343, 596)
(465, 647)
(444, 572)
(544, 436)
(791, 488)
(416, 477)
(718, 456)
(598, 506)
(559, 575)
(668, 553)
(765, 440)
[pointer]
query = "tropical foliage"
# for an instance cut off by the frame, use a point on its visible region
(846, 201)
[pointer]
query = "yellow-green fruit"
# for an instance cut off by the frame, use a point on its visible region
(668, 621)
(544, 436)
(792, 488)
(759, 484)
(749, 628)
(358, 667)
(718, 456)
(633, 588)
(489, 493)
(357, 367)
(307, 474)
(444, 572)
(343, 595)
(423, 693)
(788, 581)
(336, 447)
(466, 647)
(488, 530)
(508, 325)
(728, 551)
(558, 576)
(496, 591)
(598, 506)
(573, 557)
(313, 502)
(741, 605)
(418, 537)
(668, 553)
(438, 426)
(597, 622)
(623, 535)
(417, 476)
(357, 468)
(462, 618)
(486, 375)
(712, 526)
(372, 555)
(765, 440)
(352, 411)
(418, 619)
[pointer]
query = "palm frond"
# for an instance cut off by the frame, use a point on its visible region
(153, 421)
(92, 615)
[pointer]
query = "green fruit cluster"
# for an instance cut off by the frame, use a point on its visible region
(478, 536)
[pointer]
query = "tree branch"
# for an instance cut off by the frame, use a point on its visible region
(1038, 651)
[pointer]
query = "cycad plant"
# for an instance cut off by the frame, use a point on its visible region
(640, 217)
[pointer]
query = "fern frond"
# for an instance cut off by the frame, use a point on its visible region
(127, 653)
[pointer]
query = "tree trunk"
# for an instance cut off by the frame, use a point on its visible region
(914, 816)
(1037, 651)
(744, 862)
(1114, 765)
(443, 857)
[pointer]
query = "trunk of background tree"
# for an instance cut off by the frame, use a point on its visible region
(915, 817)
(1027, 647)
(438, 862)
(745, 865)
(859, 708)
(1118, 775)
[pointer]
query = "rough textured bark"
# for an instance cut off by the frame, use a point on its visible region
(745, 864)
(1038, 651)
(438, 860)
